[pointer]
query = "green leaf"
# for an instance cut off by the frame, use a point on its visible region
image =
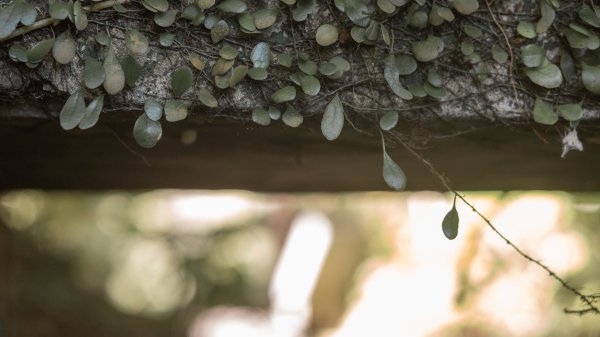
(92, 113)
(146, 131)
(465, 7)
(450, 223)
(181, 80)
(391, 73)
(93, 73)
(73, 111)
(310, 85)
(261, 116)
(232, 6)
(435, 92)
(10, 17)
(533, 55)
(526, 29)
(207, 98)
(303, 8)
(175, 110)
(102, 38)
(63, 49)
(589, 15)
(114, 80)
(246, 22)
(547, 18)
(197, 61)
(326, 35)
(219, 31)
(205, 4)
(228, 52)
(131, 69)
(428, 49)
(434, 78)
(547, 75)
(156, 5)
(473, 32)
(238, 74)
(261, 55)
(284, 60)
(153, 109)
(543, 112)
(274, 113)
(39, 51)
(18, 53)
(291, 117)
(389, 120)
(590, 76)
(306, 65)
(333, 119)
(264, 18)
(571, 111)
(258, 74)
(80, 16)
(166, 39)
(499, 54)
(342, 66)
(29, 13)
(284, 94)
(166, 18)
(58, 10)
(136, 42)
(567, 66)
(467, 48)
(393, 175)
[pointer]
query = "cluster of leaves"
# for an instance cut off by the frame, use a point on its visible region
(369, 25)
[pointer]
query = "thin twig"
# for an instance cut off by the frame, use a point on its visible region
(588, 301)
(510, 50)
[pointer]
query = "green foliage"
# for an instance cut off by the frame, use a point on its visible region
(450, 222)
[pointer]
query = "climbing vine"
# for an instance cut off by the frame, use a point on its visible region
(408, 49)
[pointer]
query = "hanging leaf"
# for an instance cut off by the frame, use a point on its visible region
(450, 223)
(197, 61)
(543, 112)
(333, 119)
(166, 18)
(232, 6)
(389, 120)
(219, 31)
(393, 175)
(156, 5)
(73, 111)
(261, 55)
(303, 8)
(428, 49)
(39, 51)
(18, 53)
(526, 29)
(79, 16)
(547, 75)
(465, 7)
(264, 18)
(136, 42)
(58, 10)
(114, 81)
(326, 35)
(499, 54)
(571, 111)
(175, 110)
(181, 80)
(590, 76)
(261, 116)
(63, 49)
(92, 113)
(291, 117)
(284, 94)
(131, 69)
(533, 55)
(391, 73)
(237, 75)
(166, 39)
(102, 38)
(153, 109)
(93, 73)
(207, 98)
(146, 131)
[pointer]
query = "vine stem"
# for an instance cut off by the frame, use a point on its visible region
(587, 300)
(510, 50)
(51, 21)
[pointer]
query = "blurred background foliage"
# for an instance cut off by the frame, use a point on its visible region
(152, 263)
